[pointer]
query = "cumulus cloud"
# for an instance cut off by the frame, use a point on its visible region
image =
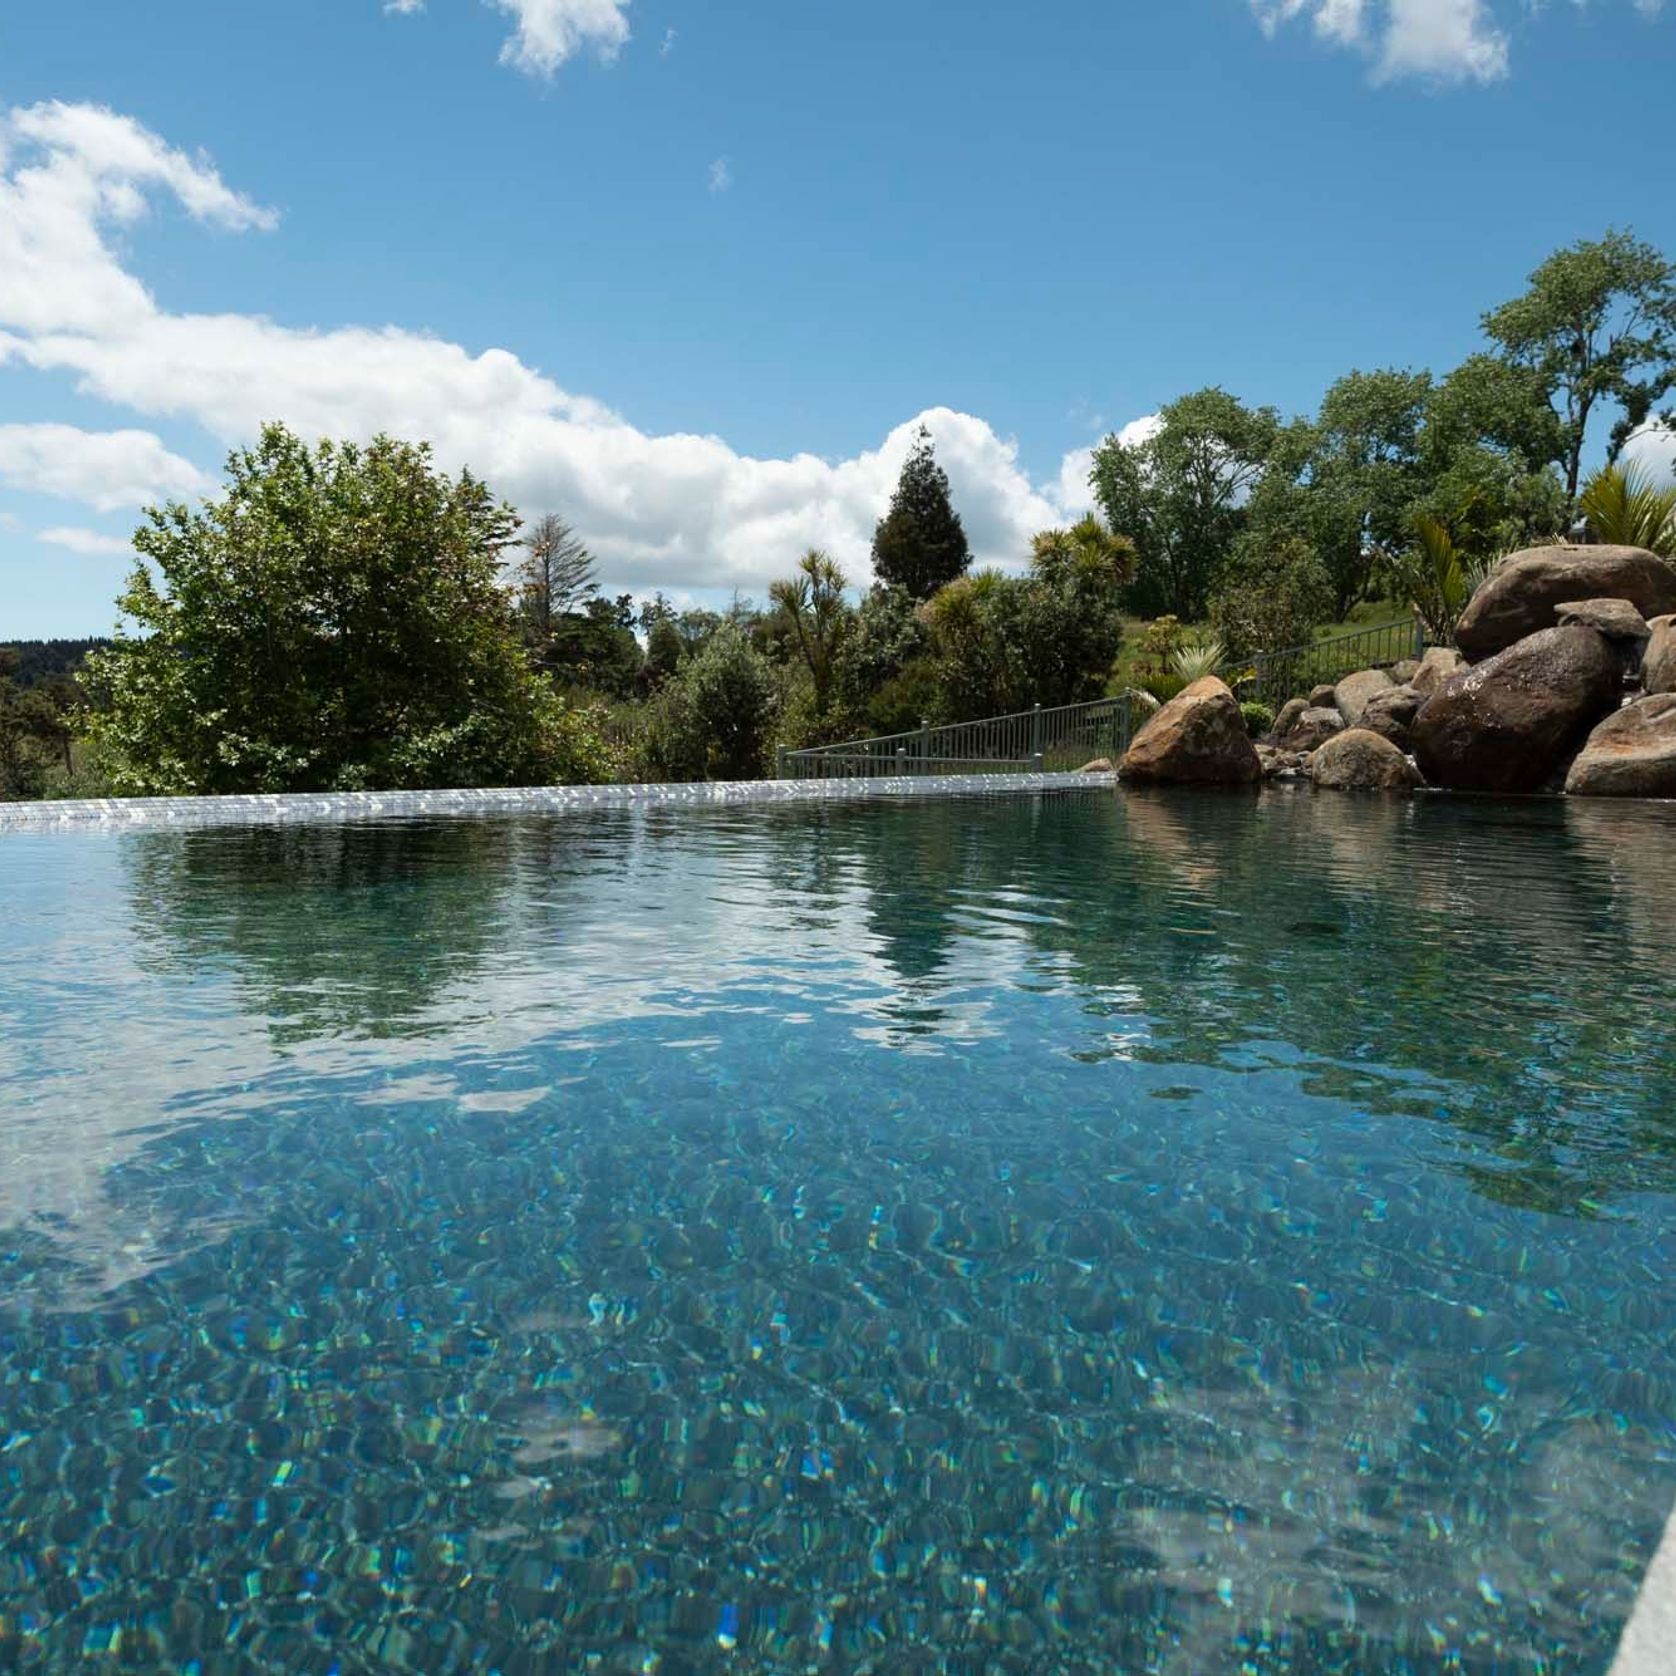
(680, 511)
(548, 32)
(88, 542)
(104, 469)
(1437, 40)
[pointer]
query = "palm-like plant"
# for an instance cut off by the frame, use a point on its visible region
(813, 603)
(1437, 577)
(1199, 658)
(1624, 506)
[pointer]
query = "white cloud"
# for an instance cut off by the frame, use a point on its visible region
(1653, 448)
(105, 469)
(88, 542)
(675, 511)
(721, 175)
(403, 8)
(550, 31)
(1436, 40)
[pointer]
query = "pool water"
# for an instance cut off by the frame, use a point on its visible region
(1068, 1234)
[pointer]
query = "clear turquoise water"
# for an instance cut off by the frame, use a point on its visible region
(1078, 1235)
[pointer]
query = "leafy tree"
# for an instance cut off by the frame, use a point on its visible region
(920, 543)
(1596, 327)
(334, 621)
(1181, 495)
(888, 639)
(595, 647)
(819, 619)
(715, 719)
(555, 577)
(35, 733)
(1272, 598)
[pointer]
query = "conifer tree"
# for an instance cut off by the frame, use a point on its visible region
(920, 544)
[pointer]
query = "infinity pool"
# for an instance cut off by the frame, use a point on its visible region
(1079, 1234)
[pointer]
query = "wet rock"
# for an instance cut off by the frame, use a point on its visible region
(1391, 714)
(1198, 738)
(1658, 667)
(1513, 723)
(1100, 765)
(1520, 596)
(1440, 664)
(1631, 754)
(1315, 724)
(1279, 764)
(1351, 695)
(1360, 760)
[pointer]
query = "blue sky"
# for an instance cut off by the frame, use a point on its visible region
(689, 275)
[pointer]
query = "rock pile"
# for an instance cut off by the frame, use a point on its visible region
(1565, 680)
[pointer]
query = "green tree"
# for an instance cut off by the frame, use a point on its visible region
(35, 734)
(920, 543)
(1597, 327)
(1181, 495)
(554, 578)
(715, 719)
(818, 619)
(334, 621)
(1271, 598)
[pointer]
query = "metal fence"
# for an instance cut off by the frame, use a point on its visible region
(1066, 737)
(1291, 673)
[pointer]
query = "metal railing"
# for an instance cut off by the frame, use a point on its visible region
(1292, 672)
(1065, 737)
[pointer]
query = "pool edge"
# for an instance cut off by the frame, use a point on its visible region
(1648, 1644)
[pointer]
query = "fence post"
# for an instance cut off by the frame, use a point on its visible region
(924, 745)
(901, 759)
(1036, 736)
(1419, 638)
(779, 762)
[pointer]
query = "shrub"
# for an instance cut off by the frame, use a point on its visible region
(1163, 687)
(1272, 598)
(1194, 661)
(715, 719)
(1259, 718)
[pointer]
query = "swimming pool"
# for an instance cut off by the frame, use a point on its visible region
(1050, 1234)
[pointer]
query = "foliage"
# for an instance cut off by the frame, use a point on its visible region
(35, 733)
(1181, 495)
(595, 648)
(555, 577)
(1273, 597)
(1437, 578)
(1159, 641)
(1596, 326)
(334, 621)
(1258, 718)
(920, 544)
(819, 618)
(715, 719)
(872, 678)
(1163, 687)
(35, 661)
(1196, 659)
(1624, 506)
(1002, 643)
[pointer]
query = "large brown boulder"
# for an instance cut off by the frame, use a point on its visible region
(1440, 664)
(1513, 723)
(1358, 760)
(1631, 754)
(1351, 695)
(1658, 666)
(1617, 619)
(1522, 593)
(1198, 738)
(1391, 714)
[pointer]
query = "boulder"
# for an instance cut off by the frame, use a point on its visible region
(1404, 670)
(1279, 764)
(1290, 711)
(1520, 596)
(1321, 698)
(1310, 729)
(1359, 760)
(1631, 754)
(1440, 664)
(1351, 695)
(1198, 738)
(1513, 723)
(1658, 667)
(1391, 714)
(1617, 619)
(1100, 765)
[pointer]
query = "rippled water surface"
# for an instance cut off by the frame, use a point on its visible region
(1082, 1234)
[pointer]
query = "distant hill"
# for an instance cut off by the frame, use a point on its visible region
(39, 659)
